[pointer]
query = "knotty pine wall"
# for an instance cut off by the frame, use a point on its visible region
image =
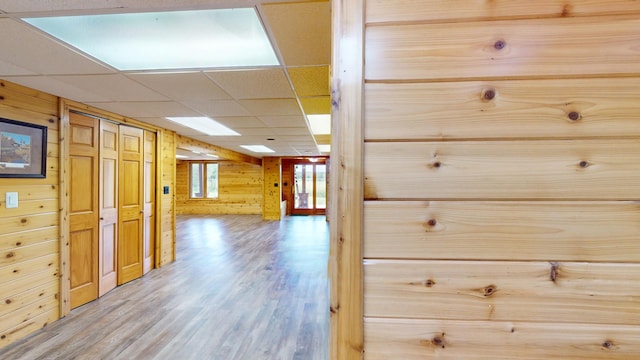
(240, 190)
(501, 179)
(29, 234)
(168, 216)
(272, 198)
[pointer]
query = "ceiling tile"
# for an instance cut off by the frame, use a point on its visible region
(146, 109)
(218, 108)
(310, 81)
(272, 107)
(170, 125)
(284, 121)
(182, 86)
(241, 122)
(254, 84)
(114, 87)
(58, 88)
(255, 131)
(302, 31)
(36, 52)
(111, 5)
(7, 69)
(316, 105)
(291, 131)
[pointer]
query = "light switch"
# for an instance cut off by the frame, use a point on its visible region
(11, 199)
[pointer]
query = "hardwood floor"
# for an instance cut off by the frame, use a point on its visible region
(241, 288)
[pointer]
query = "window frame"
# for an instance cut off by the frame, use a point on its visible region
(203, 165)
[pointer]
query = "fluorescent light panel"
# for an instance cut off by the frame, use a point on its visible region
(320, 124)
(324, 148)
(257, 148)
(204, 125)
(167, 40)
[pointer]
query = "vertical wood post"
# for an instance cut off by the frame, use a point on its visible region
(345, 262)
(65, 270)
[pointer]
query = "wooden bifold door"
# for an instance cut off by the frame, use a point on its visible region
(111, 205)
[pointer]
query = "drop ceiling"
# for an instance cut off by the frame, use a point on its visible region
(259, 103)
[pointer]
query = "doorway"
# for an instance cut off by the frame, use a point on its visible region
(309, 179)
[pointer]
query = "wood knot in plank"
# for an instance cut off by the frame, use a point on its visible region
(574, 116)
(553, 272)
(609, 345)
(489, 290)
(10, 255)
(432, 222)
(435, 165)
(500, 44)
(488, 94)
(584, 164)
(439, 341)
(566, 10)
(23, 221)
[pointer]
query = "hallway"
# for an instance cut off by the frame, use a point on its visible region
(241, 288)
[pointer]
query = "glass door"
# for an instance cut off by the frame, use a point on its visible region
(310, 189)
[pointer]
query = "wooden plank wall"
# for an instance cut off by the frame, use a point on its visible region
(167, 216)
(272, 188)
(29, 245)
(502, 181)
(240, 190)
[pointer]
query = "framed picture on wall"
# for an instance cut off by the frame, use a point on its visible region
(23, 149)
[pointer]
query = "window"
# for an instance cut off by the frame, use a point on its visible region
(204, 180)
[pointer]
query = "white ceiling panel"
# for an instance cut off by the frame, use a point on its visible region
(265, 107)
(284, 121)
(291, 131)
(170, 125)
(11, 69)
(182, 86)
(114, 87)
(53, 86)
(14, 6)
(35, 51)
(266, 132)
(146, 109)
(261, 103)
(218, 108)
(240, 122)
(254, 84)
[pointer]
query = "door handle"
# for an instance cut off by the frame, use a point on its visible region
(101, 218)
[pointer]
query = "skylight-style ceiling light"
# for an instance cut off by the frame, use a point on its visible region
(257, 148)
(178, 156)
(324, 148)
(320, 124)
(167, 40)
(204, 125)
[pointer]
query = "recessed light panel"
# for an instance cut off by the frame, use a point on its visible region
(204, 125)
(257, 148)
(324, 148)
(320, 124)
(167, 40)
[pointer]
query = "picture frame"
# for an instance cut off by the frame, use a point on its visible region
(23, 149)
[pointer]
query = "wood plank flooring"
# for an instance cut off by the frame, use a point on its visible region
(241, 288)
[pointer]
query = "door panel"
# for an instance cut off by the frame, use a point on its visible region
(108, 206)
(149, 201)
(83, 209)
(130, 225)
(309, 188)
